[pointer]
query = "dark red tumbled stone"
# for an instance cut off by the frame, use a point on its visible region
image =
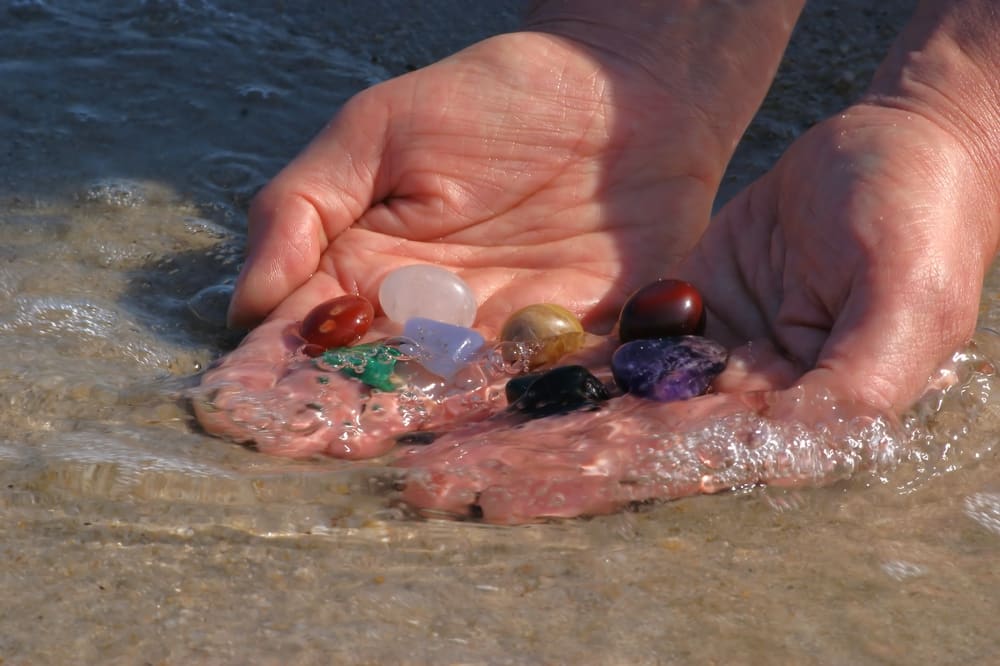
(338, 322)
(663, 309)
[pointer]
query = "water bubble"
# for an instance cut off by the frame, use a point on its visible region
(210, 304)
(900, 570)
(984, 508)
(202, 227)
(115, 192)
(941, 427)
(511, 358)
(230, 173)
(259, 92)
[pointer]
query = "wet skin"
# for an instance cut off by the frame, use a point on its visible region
(470, 457)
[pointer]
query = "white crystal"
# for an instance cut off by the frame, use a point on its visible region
(427, 291)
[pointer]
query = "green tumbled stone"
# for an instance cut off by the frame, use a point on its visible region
(372, 363)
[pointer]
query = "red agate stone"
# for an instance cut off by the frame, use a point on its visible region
(337, 322)
(663, 309)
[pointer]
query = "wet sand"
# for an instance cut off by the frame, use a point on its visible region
(135, 138)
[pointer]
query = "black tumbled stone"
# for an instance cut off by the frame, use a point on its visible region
(560, 390)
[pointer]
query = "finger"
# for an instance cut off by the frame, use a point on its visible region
(436, 493)
(316, 197)
(585, 463)
(284, 247)
(757, 366)
(890, 339)
(736, 265)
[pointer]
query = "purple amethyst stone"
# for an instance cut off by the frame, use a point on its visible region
(668, 369)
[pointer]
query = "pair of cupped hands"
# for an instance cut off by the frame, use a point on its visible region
(542, 171)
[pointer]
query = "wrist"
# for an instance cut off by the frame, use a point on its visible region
(942, 68)
(718, 57)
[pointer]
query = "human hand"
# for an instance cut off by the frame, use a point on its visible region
(842, 280)
(635, 451)
(539, 168)
(531, 166)
(855, 266)
(513, 164)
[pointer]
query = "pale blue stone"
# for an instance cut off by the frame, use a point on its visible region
(441, 348)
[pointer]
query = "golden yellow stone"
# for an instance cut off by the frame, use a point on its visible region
(544, 333)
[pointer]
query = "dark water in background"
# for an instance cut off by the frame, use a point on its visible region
(132, 136)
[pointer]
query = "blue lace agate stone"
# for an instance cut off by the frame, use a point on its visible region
(668, 369)
(441, 348)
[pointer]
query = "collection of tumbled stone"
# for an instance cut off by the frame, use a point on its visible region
(662, 356)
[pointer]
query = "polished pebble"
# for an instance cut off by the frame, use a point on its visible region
(372, 363)
(663, 309)
(560, 390)
(427, 291)
(668, 369)
(548, 332)
(338, 322)
(517, 386)
(442, 348)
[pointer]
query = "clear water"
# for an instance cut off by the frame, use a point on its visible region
(133, 136)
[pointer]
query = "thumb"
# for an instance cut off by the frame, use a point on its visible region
(309, 203)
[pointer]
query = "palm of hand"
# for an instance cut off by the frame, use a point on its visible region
(523, 164)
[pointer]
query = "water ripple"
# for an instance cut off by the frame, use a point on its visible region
(984, 508)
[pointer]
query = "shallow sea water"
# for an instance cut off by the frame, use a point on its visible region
(134, 136)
